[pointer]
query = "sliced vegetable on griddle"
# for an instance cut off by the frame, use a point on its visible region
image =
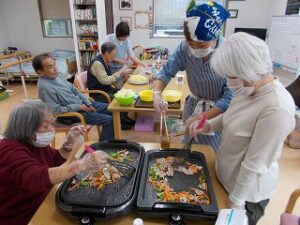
(164, 168)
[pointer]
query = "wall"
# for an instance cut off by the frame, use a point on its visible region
(254, 13)
(276, 9)
(141, 36)
(3, 38)
(20, 26)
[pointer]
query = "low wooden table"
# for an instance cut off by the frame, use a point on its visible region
(116, 109)
(47, 214)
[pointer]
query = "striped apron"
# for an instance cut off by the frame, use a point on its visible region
(206, 87)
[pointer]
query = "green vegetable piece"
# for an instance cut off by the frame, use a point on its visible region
(84, 183)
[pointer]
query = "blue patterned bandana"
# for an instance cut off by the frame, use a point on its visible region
(205, 20)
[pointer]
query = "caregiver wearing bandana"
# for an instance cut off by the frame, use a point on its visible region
(209, 95)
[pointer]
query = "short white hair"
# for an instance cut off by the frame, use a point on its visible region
(244, 56)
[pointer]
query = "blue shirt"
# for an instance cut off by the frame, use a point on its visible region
(203, 81)
(124, 49)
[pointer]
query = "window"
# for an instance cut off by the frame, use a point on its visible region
(55, 28)
(55, 18)
(168, 17)
(292, 7)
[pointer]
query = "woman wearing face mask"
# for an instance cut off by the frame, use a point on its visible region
(29, 167)
(255, 125)
(209, 95)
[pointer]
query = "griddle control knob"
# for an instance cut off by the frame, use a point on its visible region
(176, 219)
(86, 221)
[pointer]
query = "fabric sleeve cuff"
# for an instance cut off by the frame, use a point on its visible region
(216, 123)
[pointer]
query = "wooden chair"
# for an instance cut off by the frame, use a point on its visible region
(287, 218)
(80, 82)
(64, 128)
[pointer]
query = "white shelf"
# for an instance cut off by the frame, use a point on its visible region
(101, 29)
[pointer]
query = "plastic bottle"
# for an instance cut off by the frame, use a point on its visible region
(138, 221)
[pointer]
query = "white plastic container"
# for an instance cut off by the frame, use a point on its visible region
(138, 221)
(232, 217)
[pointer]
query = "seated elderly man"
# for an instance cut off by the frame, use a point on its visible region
(100, 77)
(61, 96)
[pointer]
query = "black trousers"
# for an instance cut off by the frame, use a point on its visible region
(255, 211)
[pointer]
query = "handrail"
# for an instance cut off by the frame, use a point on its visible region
(2, 57)
(4, 66)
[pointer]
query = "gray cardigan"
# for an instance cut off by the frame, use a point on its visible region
(60, 95)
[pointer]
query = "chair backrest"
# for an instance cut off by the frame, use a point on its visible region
(81, 81)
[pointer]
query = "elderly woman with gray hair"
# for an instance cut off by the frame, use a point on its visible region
(29, 167)
(258, 120)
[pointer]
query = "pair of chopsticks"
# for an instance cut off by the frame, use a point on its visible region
(163, 123)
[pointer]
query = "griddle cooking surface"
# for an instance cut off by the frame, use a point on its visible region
(112, 194)
(179, 182)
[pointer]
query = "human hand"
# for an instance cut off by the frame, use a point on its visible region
(73, 136)
(91, 162)
(158, 102)
(84, 108)
(194, 129)
(191, 119)
(125, 71)
(91, 108)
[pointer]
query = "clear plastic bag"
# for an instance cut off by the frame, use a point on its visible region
(175, 125)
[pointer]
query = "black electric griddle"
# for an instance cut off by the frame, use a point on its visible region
(149, 206)
(113, 200)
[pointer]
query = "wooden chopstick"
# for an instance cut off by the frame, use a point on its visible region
(166, 127)
(179, 133)
(160, 126)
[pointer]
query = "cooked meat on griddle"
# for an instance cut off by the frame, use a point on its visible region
(164, 168)
(109, 174)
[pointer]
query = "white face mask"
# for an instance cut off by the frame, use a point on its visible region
(201, 53)
(234, 84)
(43, 139)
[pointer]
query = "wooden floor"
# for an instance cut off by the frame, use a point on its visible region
(289, 162)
